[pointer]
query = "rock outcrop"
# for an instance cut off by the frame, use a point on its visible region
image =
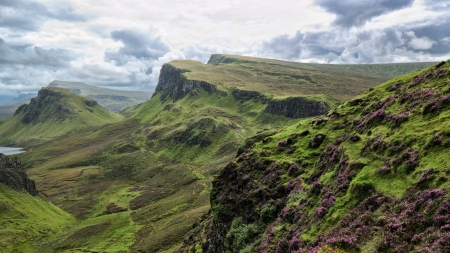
(297, 107)
(12, 175)
(43, 107)
(173, 85)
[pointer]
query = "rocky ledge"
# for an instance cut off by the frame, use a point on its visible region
(173, 85)
(12, 175)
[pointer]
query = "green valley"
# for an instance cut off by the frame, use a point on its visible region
(141, 182)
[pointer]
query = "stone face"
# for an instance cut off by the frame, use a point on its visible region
(173, 85)
(246, 95)
(297, 107)
(12, 175)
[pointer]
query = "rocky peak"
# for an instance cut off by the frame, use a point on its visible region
(173, 85)
(13, 175)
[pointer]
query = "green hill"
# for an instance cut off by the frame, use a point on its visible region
(370, 176)
(113, 100)
(53, 113)
(140, 184)
(28, 222)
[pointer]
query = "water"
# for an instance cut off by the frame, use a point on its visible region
(11, 151)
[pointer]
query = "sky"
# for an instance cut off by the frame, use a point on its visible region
(123, 44)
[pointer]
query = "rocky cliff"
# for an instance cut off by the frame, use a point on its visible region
(297, 107)
(12, 175)
(174, 86)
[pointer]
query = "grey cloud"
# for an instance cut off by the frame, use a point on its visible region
(29, 15)
(411, 43)
(136, 46)
(358, 12)
(33, 55)
(289, 47)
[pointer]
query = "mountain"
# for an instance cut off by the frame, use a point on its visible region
(21, 98)
(28, 221)
(113, 100)
(140, 184)
(370, 176)
(53, 113)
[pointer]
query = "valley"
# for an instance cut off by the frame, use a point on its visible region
(140, 181)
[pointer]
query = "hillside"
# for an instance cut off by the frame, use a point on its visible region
(141, 183)
(370, 176)
(53, 113)
(28, 221)
(113, 100)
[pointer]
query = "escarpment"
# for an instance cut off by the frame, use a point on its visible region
(13, 175)
(297, 107)
(174, 86)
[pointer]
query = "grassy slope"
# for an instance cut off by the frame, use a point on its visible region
(114, 104)
(29, 223)
(365, 161)
(84, 173)
(80, 118)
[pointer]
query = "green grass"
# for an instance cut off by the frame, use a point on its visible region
(28, 223)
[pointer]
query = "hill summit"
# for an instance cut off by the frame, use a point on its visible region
(53, 113)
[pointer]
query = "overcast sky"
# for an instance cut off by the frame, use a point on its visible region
(123, 44)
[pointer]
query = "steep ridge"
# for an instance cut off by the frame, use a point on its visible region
(53, 113)
(141, 183)
(370, 176)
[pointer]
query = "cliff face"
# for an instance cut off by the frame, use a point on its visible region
(12, 175)
(173, 85)
(297, 107)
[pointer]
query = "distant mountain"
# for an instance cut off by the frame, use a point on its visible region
(22, 98)
(113, 100)
(53, 113)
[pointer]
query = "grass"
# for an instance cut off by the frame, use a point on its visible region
(29, 223)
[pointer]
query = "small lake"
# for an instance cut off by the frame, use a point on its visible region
(11, 151)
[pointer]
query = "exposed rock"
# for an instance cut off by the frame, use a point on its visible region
(245, 94)
(317, 141)
(91, 102)
(113, 208)
(12, 175)
(173, 85)
(297, 107)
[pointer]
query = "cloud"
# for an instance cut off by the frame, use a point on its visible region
(392, 44)
(30, 15)
(33, 55)
(357, 12)
(136, 46)
(423, 43)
